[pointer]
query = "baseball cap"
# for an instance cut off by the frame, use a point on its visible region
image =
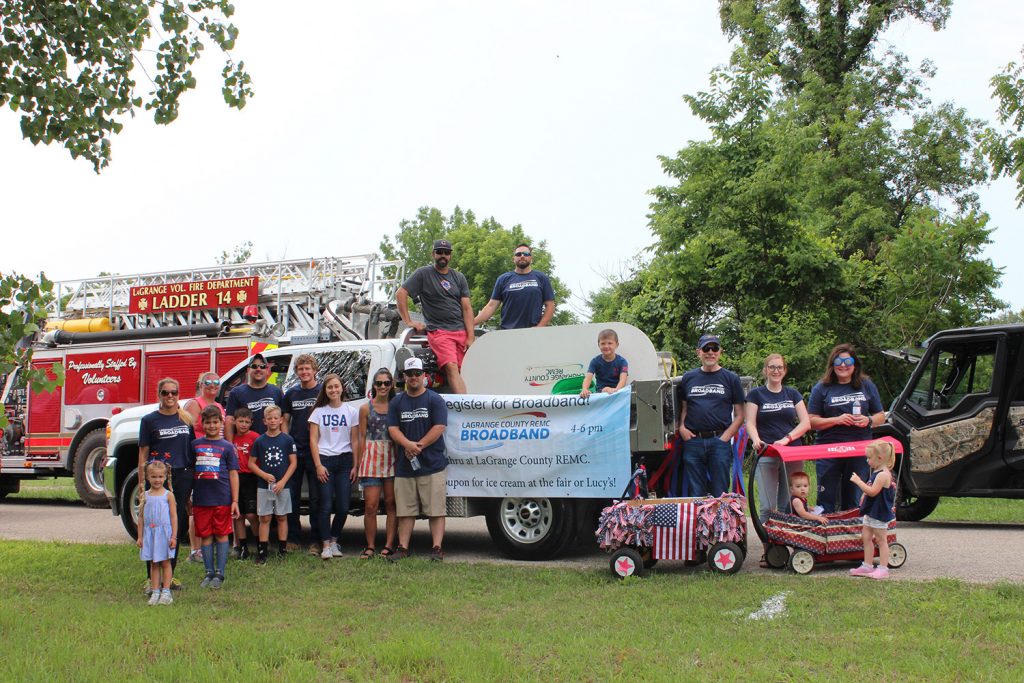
(442, 244)
(708, 339)
(413, 363)
(257, 356)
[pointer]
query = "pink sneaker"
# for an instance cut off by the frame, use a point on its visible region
(862, 570)
(879, 573)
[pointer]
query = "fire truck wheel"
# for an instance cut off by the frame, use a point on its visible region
(130, 503)
(88, 469)
(532, 528)
(626, 562)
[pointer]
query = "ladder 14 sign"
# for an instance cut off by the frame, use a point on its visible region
(187, 296)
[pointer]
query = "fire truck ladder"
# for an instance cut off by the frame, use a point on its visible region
(306, 300)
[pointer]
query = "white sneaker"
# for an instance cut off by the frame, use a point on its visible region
(154, 597)
(165, 597)
(326, 553)
(336, 549)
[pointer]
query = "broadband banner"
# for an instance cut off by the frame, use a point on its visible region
(553, 446)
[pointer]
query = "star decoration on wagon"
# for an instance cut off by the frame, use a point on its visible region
(725, 559)
(625, 566)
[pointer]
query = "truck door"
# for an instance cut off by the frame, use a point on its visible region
(950, 412)
(1013, 449)
(44, 439)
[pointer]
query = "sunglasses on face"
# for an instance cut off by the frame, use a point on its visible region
(211, 382)
(168, 392)
(413, 373)
(523, 253)
(258, 366)
(382, 383)
(443, 252)
(776, 368)
(711, 348)
(839, 362)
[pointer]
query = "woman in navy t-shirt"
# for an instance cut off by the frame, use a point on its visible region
(844, 406)
(775, 415)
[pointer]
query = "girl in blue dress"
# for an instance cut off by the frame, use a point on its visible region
(158, 532)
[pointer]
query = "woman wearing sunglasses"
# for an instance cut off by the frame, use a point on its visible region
(844, 406)
(206, 395)
(377, 466)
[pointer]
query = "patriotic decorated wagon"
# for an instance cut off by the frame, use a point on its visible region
(799, 543)
(640, 532)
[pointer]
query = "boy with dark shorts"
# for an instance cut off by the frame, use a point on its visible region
(609, 368)
(214, 495)
(273, 462)
(243, 440)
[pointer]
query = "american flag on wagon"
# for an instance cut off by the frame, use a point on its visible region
(674, 538)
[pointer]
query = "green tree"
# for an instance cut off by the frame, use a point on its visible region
(23, 305)
(482, 250)
(1005, 149)
(832, 203)
(69, 67)
(241, 253)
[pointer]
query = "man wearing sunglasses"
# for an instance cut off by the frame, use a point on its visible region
(524, 294)
(443, 295)
(711, 400)
(255, 395)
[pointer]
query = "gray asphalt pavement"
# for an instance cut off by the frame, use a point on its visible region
(980, 553)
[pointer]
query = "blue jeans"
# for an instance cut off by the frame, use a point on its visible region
(335, 493)
(704, 459)
(772, 477)
(835, 490)
(304, 467)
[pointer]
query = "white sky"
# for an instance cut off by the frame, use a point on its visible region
(546, 113)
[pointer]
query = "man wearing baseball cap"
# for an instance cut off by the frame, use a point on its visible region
(417, 419)
(443, 295)
(711, 400)
(255, 395)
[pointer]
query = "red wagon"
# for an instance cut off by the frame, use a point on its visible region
(800, 543)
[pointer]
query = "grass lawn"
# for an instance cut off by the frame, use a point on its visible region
(77, 611)
(46, 489)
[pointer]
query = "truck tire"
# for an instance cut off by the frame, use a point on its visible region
(532, 528)
(130, 503)
(914, 508)
(87, 466)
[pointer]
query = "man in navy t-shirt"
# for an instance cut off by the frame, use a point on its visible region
(298, 404)
(417, 419)
(525, 295)
(711, 400)
(255, 395)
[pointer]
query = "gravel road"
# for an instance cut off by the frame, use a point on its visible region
(980, 553)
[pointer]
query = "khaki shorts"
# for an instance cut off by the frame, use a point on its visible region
(426, 495)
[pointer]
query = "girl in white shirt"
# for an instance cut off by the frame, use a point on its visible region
(333, 438)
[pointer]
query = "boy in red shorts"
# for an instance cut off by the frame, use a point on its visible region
(214, 495)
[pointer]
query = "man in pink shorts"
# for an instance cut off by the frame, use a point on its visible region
(443, 296)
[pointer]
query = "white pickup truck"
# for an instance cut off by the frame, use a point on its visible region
(513, 362)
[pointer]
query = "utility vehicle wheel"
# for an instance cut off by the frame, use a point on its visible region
(532, 528)
(88, 469)
(626, 562)
(130, 503)
(776, 555)
(801, 561)
(897, 555)
(914, 508)
(725, 558)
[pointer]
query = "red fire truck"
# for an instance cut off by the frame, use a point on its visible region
(174, 324)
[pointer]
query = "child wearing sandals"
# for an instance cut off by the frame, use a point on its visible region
(377, 466)
(158, 532)
(877, 505)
